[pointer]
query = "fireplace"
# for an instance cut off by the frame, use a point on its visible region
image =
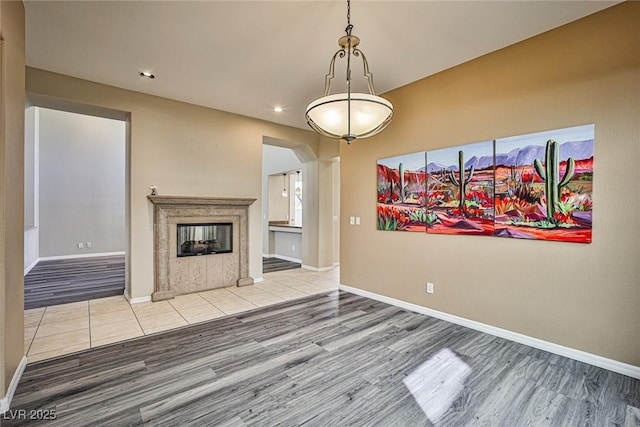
(204, 239)
(200, 243)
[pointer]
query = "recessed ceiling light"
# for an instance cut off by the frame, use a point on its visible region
(147, 75)
(277, 109)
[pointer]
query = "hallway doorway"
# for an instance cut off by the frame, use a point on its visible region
(75, 198)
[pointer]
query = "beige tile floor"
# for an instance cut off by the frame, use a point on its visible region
(62, 329)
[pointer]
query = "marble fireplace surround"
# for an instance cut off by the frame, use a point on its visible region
(175, 276)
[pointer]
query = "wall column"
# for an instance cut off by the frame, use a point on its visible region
(317, 214)
(12, 91)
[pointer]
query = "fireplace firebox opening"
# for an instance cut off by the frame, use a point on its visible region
(204, 239)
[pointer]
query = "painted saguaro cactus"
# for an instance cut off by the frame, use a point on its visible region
(550, 174)
(463, 181)
(403, 185)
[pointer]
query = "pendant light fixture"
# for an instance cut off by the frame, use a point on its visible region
(349, 115)
(298, 190)
(284, 188)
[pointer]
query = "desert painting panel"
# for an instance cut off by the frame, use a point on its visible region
(460, 184)
(401, 193)
(544, 185)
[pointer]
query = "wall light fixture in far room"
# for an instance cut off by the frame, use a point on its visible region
(284, 185)
(298, 190)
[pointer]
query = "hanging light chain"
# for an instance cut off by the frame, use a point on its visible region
(349, 26)
(348, 136)
(349, 49)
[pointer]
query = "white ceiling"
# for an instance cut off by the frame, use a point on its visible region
(247, 57)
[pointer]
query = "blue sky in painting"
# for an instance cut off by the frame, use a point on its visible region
(449, 156)
(411, 162)
(577, 133)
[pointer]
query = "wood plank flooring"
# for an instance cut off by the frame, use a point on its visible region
(269, 265)
(70, 280)
(336, 359)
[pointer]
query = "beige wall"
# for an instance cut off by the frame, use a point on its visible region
(336, 212)
(11, 190)
(278, 205)
(181, 148)
(581, 296)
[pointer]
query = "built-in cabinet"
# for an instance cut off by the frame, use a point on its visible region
(287, 242)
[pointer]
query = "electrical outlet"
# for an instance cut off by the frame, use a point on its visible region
(88, 245)
(80, 245)
(429, 287)
(293, 248)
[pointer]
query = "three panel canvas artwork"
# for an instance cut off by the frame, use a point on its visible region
(534, 186)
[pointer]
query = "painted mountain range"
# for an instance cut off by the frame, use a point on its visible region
(579, 150)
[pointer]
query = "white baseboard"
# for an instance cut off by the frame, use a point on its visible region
(51, 258)
(579, 355)
(137, 300)
(287, 258)
(308, 267)
(30, 267)
(5, 402)
(258, 280)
